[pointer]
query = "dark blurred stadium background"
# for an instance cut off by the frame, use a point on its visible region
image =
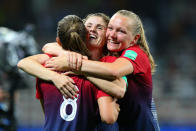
(171, 31)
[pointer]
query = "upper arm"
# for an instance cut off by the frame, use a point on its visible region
(122, 67)
(53, 48)
(39, 58)
(33, 65)
(108, 109)
(114, 88)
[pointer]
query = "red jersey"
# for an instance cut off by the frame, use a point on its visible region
(135, 113)
(82, 113)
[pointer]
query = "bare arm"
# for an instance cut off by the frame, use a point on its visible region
(33, 66)
(53, 48)
(73, 59)
(117, 69)
(108, 109)
(115, 88)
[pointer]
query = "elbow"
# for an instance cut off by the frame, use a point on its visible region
(120, 94)
(108, 119)
(20, 64)
(115, 74)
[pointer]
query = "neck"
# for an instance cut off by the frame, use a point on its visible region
(96, 53)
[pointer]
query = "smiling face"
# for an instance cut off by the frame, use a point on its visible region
(119, 34)
(97, 30)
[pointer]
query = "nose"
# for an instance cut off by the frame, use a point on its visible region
(92, 29)
(112, 34)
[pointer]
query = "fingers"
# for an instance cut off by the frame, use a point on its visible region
(44, 48)
(75, 60)
(68, 92)
(49, 63)
(72, 60)
(64, 93)
(85, 57)
(69, 58)
(68, 73)
(51, 68)
(79, 61)
(118, 107)
(68, 89)
(50, 48)
(116, 104)
(71, 87)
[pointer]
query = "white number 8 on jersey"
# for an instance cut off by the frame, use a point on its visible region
(63, 107)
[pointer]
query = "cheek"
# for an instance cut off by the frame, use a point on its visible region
(113, 47)
(107, 33)
(103, 35)
(126, 41)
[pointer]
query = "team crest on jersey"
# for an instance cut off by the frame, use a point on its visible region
(130, 54)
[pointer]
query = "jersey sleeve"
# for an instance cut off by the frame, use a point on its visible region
(38, 94)
(100, 93)
(136, 59)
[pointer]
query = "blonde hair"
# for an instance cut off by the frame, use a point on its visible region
(137, 28)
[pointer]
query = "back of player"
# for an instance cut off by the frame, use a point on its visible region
(69, 114)
(80, 113)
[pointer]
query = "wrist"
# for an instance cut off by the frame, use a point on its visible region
(53, 76)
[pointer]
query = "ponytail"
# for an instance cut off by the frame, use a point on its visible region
(72, 34)
(142, 42)
(77, 44)
(138, 29)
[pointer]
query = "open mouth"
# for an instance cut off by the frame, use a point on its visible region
(92, 36)
(113, 42)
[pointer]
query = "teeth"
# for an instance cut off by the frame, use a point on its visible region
(113, 42)
(93, 36)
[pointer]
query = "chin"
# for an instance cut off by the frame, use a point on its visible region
(114, 50)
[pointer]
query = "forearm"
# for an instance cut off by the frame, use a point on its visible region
(114, 88)
(34, 68)
(111, 71)
(108, 109)
(98, 69)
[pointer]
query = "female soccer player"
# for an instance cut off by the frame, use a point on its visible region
(80, 112)
(125, 34)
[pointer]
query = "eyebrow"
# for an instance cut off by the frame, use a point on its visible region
(100, 25)
(96, 24)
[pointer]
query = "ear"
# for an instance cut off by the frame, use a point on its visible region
(58, 41)
(136, 38)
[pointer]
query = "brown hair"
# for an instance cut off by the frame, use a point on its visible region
(106, 20)
(72, 34)
(138, 29)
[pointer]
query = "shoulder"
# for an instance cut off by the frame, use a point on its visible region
(133, 53)
(108, 59)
